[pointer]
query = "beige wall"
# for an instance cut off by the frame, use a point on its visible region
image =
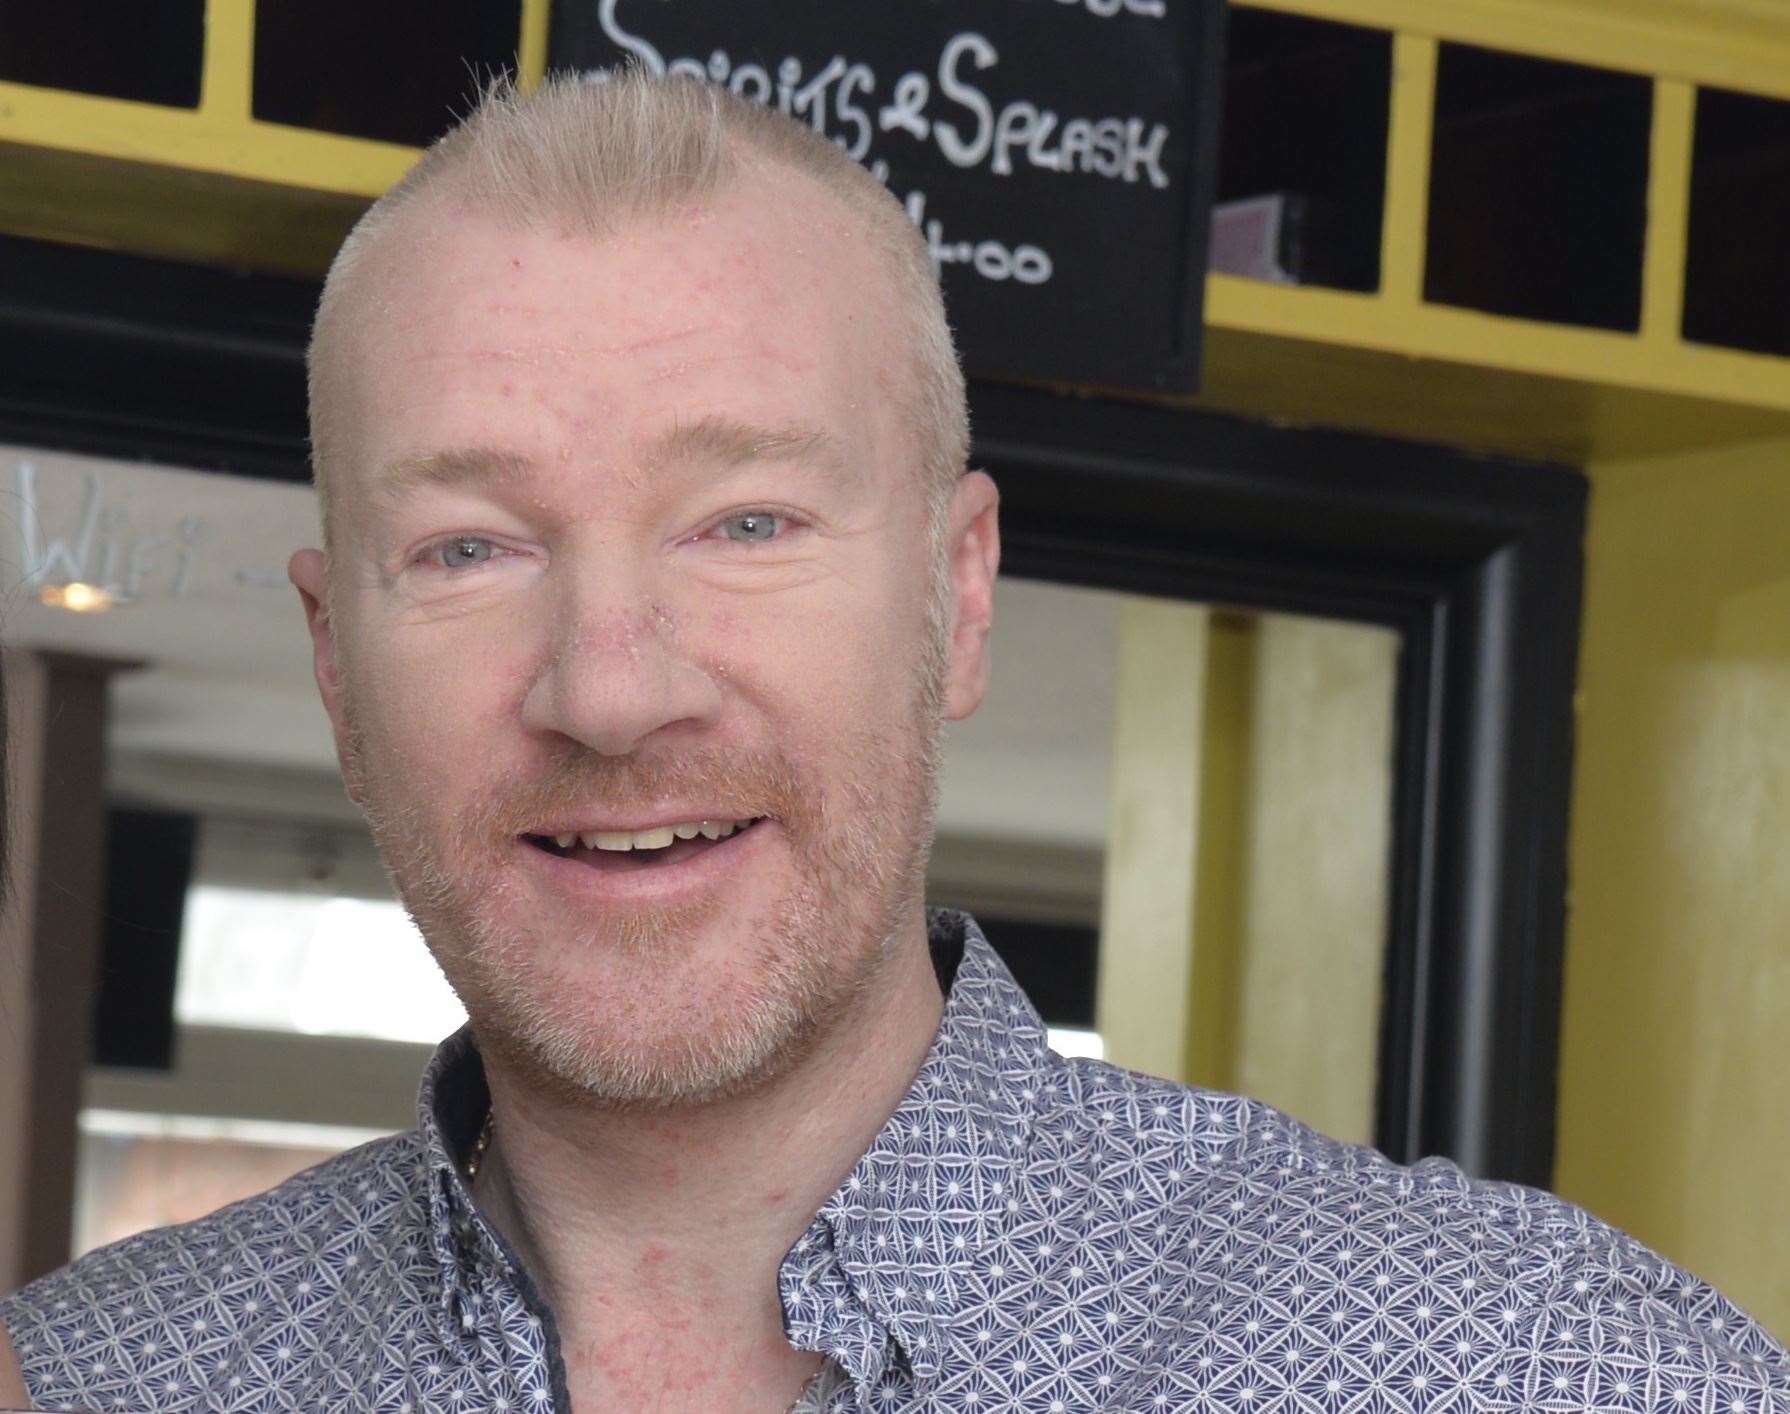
(1675, 1064)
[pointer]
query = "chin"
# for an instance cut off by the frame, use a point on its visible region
(662, 1012)
(661, 1037)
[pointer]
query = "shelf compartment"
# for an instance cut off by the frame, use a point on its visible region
(1305, 122)
(371, 71)
(1736, 279)
(152, 53)
(1538, 189)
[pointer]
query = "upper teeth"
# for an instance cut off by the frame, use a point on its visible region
(652, 839)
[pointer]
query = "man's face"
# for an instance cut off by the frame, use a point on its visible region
(632, 545)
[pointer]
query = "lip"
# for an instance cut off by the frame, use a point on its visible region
(662, 883)
(657, 821)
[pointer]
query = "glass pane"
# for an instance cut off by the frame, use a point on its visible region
(1258, 750)
(1284, 729)
(319, 965)
(290, 938)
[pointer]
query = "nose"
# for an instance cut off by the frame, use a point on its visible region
(617, 673)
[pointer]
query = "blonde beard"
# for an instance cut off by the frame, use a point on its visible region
(861, 859)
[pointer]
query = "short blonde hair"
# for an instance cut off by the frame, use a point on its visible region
(586, 153)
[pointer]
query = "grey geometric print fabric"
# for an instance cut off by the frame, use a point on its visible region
(1025, 1233)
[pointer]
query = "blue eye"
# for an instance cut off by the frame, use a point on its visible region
(463, 552)
(754, 527)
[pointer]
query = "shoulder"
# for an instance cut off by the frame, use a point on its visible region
(240, 1266)
(352, 1198)
(1267, 1170)
(1269, 1222)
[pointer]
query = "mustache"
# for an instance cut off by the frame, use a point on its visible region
(735, 784)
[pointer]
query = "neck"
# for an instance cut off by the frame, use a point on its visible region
(644, 1226)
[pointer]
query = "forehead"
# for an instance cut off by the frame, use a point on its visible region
(763, 303)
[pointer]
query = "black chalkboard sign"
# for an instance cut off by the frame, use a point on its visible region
(1057, 154)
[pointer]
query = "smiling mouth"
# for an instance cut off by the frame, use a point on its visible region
(623, 851)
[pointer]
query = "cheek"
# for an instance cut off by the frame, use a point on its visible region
(833, 661)
(428, 698)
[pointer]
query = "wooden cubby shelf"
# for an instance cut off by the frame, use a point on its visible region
(1547, 229)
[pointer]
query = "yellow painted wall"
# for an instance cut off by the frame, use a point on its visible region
(1316, 835)
(1675, 1064)
(1144, 997)
(1251, 810)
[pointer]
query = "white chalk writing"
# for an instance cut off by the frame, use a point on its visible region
(949, 110)
(99, 548)
(1128, 149)
(992, 260)
(838, 114)
(1107, 9)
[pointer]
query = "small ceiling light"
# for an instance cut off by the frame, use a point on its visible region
(77, 598)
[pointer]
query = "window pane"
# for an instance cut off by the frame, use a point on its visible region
(321, 965)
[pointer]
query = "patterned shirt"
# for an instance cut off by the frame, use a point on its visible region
(1025, 1233)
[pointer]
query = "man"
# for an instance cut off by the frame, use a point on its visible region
(652, 568)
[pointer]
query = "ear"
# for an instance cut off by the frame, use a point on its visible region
(973, 538)
(309, 574)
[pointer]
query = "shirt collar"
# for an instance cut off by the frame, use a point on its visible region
(935, 1185)
(451, 1106)
(938, 1182)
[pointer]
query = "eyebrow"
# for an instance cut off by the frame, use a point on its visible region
(456, 466)
(721, 442)
(726, 443)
